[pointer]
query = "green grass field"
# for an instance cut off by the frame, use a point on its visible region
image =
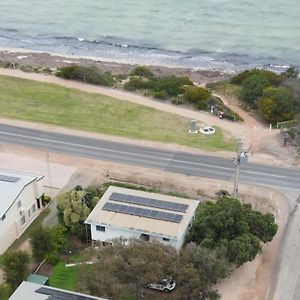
(63, 277)
(49, 103)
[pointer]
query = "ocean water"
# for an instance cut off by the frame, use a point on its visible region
(212, 34)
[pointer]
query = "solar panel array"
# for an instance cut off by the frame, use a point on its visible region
(9, 178)
(168, 205)
(62, 295)
(142, 212)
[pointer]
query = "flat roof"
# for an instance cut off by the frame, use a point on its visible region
(33, 291)
(139, 222)
(11, 185)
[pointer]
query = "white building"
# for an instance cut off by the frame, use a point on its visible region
(20, 203)
(33, 291)
(131, 213)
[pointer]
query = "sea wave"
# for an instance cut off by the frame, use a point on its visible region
(120, 50)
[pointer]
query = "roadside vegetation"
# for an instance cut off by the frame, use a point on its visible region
(53, 104)
(273, 96)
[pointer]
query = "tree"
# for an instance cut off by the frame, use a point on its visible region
(15, 265)
(276, 105)
(243, 248)
(124, 269)
(211, 264)
(252, 89)
(41, 242)
(47, 243)
(232, 229)
(74, 210)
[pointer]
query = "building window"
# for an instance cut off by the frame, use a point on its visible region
(19, 204)
(166, 239)
(29, 213)
(100, 228)
(3, 217)
(33, 209)
(23, 221)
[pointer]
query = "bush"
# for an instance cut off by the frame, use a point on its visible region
(273, 78)
(15, 266)
(171, 85)
(5, 64)
(86, 74)
(198, 96)
(252, 89)
(160, 95)
(45, 199)
(276, 105)
(177, 101)
(142, 71)
(134, 84)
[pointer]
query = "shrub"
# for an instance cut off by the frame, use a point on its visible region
(160, 95)
(142, 71)
(196, 94)
(86, 74)
(45, 199)
(5, 64)
(134, 84)
(276, 105)
(252, 89)
(172, 85)
(177, 101)
(15, 266)
(273, 78)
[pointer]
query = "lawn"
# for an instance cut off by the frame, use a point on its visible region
(63, 277)
(53, 104)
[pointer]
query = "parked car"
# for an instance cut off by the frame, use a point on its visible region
(207, 130)
(165, 285)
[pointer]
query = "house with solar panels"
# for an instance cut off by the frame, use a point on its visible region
(33, 291)
(20, 203)
(126, 213)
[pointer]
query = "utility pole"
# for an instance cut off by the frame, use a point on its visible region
(237, 162)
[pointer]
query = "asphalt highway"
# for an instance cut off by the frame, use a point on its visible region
(178, 162)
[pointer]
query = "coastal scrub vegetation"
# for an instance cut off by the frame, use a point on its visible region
(276, 97)
(91, 75)
(53, 104)
(180, 90)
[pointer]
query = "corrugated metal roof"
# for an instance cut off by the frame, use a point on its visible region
(120, 220)
(32, 291)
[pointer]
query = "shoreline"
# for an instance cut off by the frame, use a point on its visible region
(38, 59)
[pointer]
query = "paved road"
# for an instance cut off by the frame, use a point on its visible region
(285, 283)
(178, 162)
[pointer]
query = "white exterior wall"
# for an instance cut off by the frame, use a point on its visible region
(11, 227)
(114, 233)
